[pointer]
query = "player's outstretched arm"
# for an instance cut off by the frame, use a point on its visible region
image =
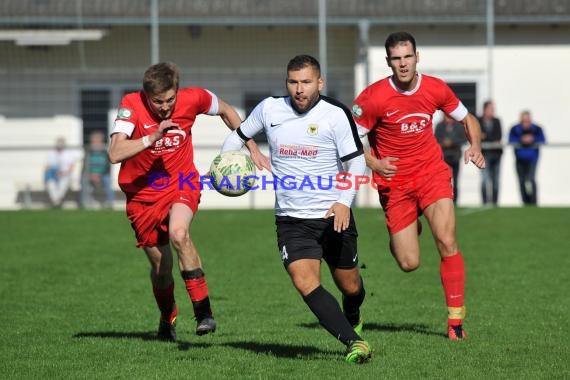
(229, 115)
(473, 132)
(122, 148)
(259, 159)
(234, 142)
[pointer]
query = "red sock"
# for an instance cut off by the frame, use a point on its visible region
(165, 301)
(452, 271)
(197, 288)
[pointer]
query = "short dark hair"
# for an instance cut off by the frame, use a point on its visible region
(160, 78)
(301, 61)
(397, 38)
(487, 103)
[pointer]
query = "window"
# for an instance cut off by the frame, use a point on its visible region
(95, 106)
(467, 93)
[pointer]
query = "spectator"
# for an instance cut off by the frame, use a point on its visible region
(491, 133)
(96, 173)
(526, 136)
(57, 175)
(450, 135)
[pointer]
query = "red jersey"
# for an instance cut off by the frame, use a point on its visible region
(168, 164)
(399, 123)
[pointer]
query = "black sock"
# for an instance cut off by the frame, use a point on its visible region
(327, 310)
(202, 309)
(197, 289)
(351, 305)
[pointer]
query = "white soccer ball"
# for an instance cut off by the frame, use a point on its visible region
(233, 173)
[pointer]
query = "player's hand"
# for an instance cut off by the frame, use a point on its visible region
(385, 168)
(474, 155)
(341, 216)
(259, 159)
(164, 126)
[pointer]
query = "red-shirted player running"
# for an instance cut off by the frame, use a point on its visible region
(152, 140)
(407, 163)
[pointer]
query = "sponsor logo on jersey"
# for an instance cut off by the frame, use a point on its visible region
(304, 152)
(169, 142)
(357, 110)
(275, 125)
(149, 126)
(414, 122)
(313, 129)
(124, 113)
(388, 114)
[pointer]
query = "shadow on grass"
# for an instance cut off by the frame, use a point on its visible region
(390, 327)
(146, 336)
(280, 350)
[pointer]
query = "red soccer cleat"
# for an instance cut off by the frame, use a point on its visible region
(456, 332)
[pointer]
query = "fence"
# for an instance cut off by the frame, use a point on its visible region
(23, 187)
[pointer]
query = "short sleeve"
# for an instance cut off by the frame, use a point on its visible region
(126, 118)
(255, 122)
(364, 112)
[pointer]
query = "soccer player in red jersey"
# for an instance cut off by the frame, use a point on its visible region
(152, 140)
(408, 167)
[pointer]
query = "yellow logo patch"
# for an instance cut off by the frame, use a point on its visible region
(313, 129)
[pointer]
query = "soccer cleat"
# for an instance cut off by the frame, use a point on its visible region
(358, 352)
(205, 325)
(358, 327)
(167, 330)
(456, 332)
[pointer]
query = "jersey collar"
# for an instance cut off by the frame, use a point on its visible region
(410, 92)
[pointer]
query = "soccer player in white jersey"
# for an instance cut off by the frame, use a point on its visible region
(310, 138)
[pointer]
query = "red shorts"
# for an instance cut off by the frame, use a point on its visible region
(405, 199)
(150, 220)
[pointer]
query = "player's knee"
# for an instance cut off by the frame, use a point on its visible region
(304, 286)
(179, 236)
(409, 264)
(447, 245)
(351, 291)
(351, 287)
(162, 276)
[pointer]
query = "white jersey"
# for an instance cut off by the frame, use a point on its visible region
(307, 151)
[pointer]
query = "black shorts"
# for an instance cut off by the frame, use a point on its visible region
(316, 239)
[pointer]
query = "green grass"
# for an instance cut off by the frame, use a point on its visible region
(76, 302)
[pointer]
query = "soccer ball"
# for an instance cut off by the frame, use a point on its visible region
(233, 173)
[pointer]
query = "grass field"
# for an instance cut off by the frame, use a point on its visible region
(76, 302)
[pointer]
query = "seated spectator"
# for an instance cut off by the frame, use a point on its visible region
(57, 175)
(96, 174)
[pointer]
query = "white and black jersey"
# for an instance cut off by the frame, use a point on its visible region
(307, 151)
